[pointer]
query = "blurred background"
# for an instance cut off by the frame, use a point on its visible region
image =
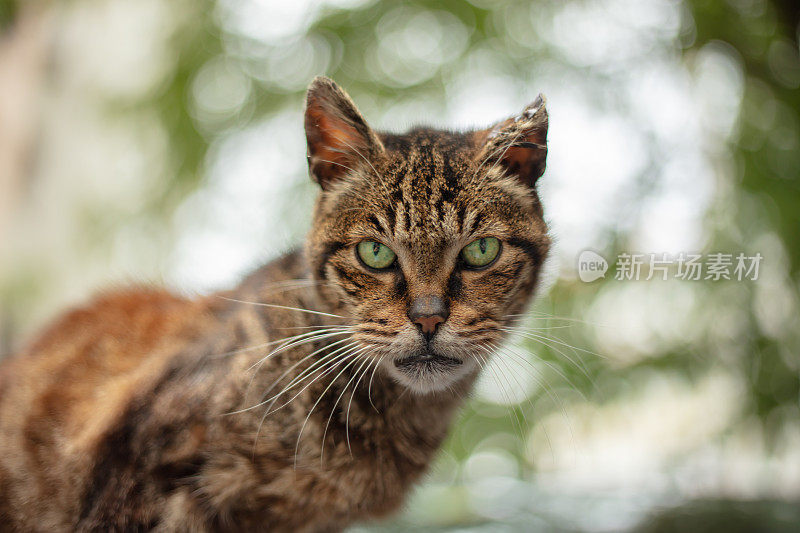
(161, 141)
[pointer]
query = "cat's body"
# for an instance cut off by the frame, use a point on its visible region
(146, 410)
(124, 421)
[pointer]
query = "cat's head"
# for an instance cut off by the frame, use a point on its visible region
(429, 242)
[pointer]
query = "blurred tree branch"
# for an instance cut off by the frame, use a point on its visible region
(23, 61)
(24, 50)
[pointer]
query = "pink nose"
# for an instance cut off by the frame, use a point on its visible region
(427, 312)
(428, 324)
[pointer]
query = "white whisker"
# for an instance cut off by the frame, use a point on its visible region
(333, 409)
(369, 388)
(286, 307)
(354, 358)
(350, 403)
(287, 371)
(340, 354)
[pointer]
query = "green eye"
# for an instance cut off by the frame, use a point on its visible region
(481, 252)
(376, 255)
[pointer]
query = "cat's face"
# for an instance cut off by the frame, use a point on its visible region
(428, 242)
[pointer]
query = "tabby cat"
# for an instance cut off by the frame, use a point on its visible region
(314, 394)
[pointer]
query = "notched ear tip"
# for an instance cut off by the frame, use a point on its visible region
(520, 142)
(537, 107)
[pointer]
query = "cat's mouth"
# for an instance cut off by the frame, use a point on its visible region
(427, 362)
(425, 370)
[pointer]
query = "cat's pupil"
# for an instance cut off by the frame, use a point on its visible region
(376, 247)
(482, 245)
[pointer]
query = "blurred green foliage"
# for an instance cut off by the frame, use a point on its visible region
(8, 10)
(765, 36)
(761, 205)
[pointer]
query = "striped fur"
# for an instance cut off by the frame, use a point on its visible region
(149, 411)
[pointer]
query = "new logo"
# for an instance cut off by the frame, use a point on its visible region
(591, 266)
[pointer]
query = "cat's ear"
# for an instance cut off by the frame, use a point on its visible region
(338, 137)
(519, 143)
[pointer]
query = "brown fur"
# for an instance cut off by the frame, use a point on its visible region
(145, 410)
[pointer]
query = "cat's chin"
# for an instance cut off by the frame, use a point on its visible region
(427, 372)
